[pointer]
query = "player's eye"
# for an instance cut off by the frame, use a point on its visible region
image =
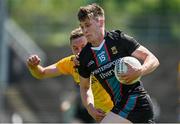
(88, 25)
(75, 49)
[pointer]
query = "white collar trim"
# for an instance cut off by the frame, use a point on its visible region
(99, 47)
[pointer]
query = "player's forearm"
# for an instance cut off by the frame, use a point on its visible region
(150, 64)
(87, 97)
(37, 71)
(86, 93)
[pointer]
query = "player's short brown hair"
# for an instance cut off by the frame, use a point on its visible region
(76, 33)
(91, 10)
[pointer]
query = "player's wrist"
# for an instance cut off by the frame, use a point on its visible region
(142, 70)
(90, 107)
(91, 110)
(33, 67)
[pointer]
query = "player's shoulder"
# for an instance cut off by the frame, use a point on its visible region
(85, 50)
(68, 59)
(71, 57)
(113, 34)
(119, 34)
(116, 35)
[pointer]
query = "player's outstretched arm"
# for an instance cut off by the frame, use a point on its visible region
(39, 72)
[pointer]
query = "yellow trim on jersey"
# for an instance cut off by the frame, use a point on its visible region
(102, 99)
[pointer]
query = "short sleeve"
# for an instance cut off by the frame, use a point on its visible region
(82, 68)
(129, 43)
(64, 65)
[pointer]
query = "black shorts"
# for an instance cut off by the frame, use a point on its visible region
(137, 108)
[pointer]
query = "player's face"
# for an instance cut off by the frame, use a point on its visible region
(91, 29)
(78, 44)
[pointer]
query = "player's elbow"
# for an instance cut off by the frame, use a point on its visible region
(38, 74)
(38, 77)
(156, 62)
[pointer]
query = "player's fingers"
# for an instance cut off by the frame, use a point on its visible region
(101, 111)
(34, 58)
(100, 115)
(77, 56)
(76, 62)
(99, 119)
(123, 76)
(130, 79)
(37, 62)
(29, 60)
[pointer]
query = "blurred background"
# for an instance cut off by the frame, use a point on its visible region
(43, 27)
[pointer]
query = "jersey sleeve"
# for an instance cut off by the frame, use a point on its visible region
(64, 65)
(129, 43)
(82, 69)
(83, 72)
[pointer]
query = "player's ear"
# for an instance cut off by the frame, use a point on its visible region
(101, 22)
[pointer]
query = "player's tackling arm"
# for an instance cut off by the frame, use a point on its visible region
(150, 62)
(39, 72)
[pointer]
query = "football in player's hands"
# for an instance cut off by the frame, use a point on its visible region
(121, 67)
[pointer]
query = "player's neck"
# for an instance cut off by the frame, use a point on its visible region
(99, 40)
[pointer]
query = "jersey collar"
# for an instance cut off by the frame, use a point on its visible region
(99, 47)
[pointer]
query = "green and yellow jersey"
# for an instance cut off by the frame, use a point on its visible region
(102, 99)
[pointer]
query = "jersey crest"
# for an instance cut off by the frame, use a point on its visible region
(114, 50)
